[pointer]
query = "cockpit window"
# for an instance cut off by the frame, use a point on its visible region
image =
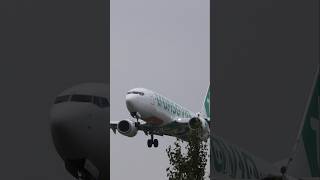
(61, 99)
(81, 98)
(136, 92)
(96, 100)
(101, 101)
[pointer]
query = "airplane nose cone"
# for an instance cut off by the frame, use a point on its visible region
(65, 134)
(131, 101)
(79, 135)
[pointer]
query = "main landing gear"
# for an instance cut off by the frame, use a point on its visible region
(153, 142)
(150, 141)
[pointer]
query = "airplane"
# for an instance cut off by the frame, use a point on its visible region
(79, 119)
(161, 116)
(230, 162)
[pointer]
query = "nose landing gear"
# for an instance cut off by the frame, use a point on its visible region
(153, 142)
(77, 170)
(137, 116)
(84, 175)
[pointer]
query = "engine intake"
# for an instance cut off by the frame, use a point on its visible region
(198, 123)
(124, 126)
(195, 123)
(127, 128)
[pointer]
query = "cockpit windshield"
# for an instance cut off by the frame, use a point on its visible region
(96, 100)
(61, 99)
(136, 92)
(81, 98)
(100, 101)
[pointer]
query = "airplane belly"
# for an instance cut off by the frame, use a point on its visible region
(157, 117)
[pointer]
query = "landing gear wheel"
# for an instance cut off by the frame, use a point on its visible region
(155, 143)
(149, 143)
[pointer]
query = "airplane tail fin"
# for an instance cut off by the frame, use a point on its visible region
(304, 160)
(206, 103)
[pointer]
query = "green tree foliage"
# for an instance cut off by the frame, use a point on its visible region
(188, 165)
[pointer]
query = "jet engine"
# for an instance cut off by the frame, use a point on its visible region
(127, 128)
(197, 123)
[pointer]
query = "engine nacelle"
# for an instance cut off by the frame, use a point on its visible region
(197, 123)
(127, 128)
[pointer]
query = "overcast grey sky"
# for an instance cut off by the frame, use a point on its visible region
(163, 46)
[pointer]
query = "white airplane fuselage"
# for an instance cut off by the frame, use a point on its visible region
(158, 111)
(155, 109)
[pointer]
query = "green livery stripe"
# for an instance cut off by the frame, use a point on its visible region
(309, 134)
(171, 107)
(207, 103)
(232, 161)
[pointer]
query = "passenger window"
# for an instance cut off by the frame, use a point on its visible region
(81, 98)
(61, 99)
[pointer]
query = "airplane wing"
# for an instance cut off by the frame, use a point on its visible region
(178, 128)
(113, 126)
(142, 127)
